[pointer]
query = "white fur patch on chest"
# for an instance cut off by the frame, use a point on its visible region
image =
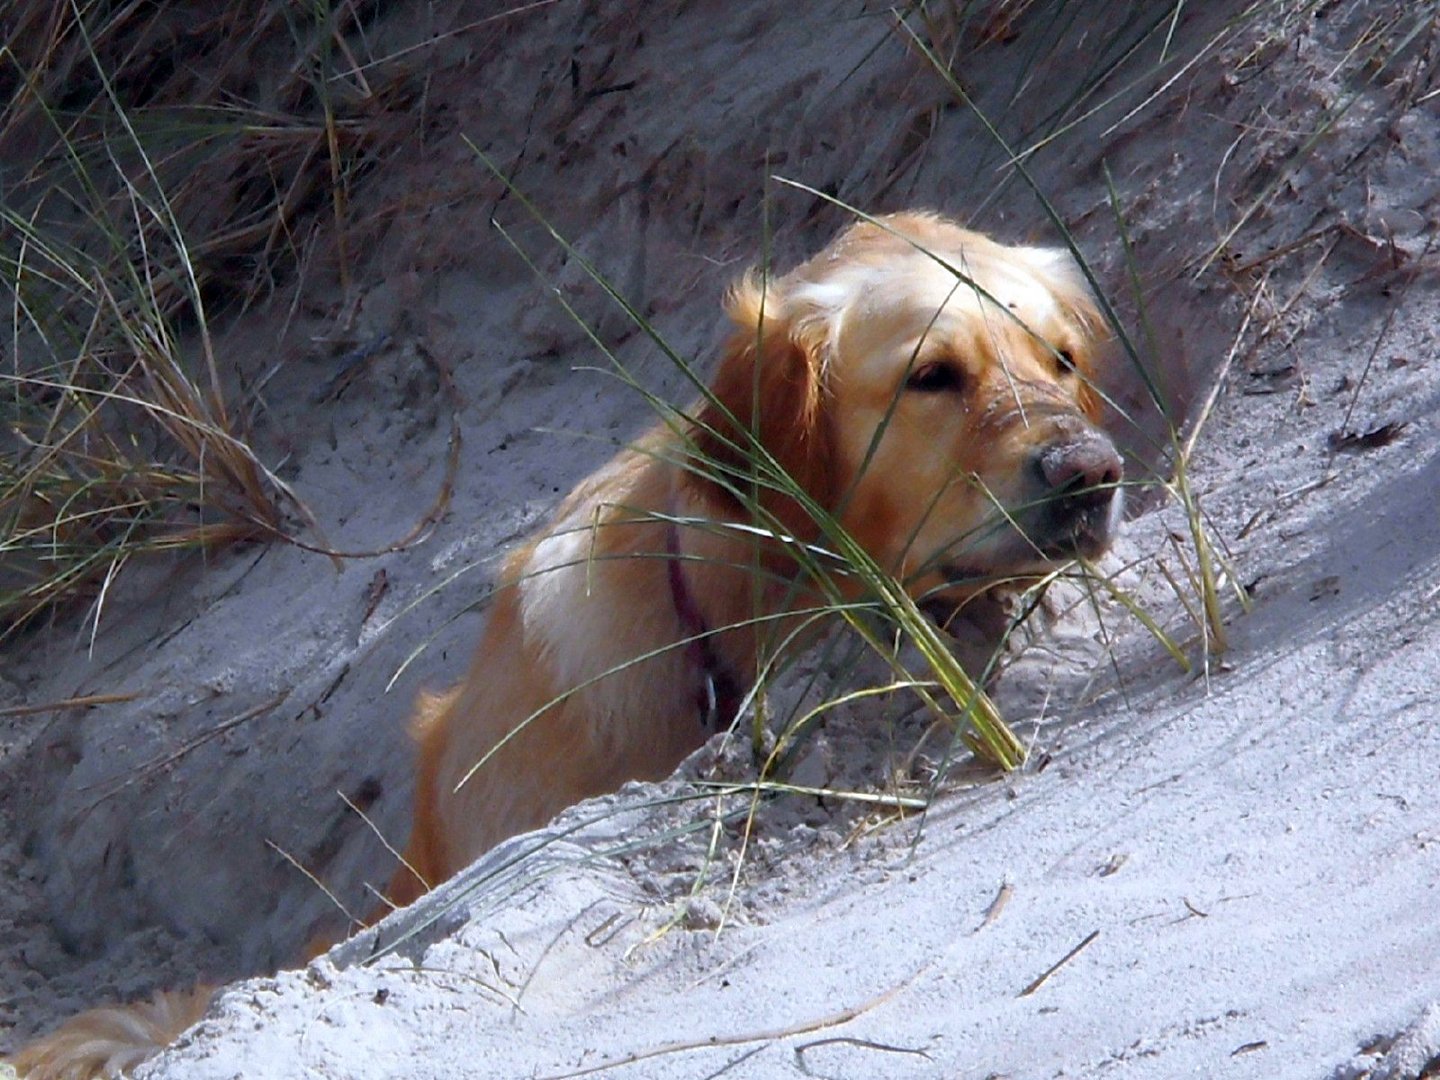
(560, 603)
(581, 612)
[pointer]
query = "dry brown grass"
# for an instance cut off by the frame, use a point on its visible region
(166, 161)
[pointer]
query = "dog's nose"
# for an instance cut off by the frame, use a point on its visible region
(1083, 469)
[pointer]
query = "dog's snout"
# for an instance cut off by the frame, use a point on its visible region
(1078, 474)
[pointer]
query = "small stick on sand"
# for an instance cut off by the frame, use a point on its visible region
(1058, 965)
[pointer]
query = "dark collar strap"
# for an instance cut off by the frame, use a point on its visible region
(719, 696)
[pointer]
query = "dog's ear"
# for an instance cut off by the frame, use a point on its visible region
(769, 389)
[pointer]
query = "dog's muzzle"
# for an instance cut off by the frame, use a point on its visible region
(1078, 477)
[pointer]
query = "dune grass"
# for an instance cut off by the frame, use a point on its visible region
(147, 187)
(123, 436)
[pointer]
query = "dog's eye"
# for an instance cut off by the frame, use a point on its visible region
(935, 378)
(1065, 361)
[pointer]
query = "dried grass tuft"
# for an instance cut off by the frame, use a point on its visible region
(164, 161)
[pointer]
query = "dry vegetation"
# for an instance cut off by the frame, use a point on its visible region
(167, 164)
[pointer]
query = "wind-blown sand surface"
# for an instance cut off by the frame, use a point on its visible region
(1246, 856)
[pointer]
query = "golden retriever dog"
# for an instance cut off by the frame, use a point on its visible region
(926, 387)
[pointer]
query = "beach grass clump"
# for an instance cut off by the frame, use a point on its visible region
(162, 163)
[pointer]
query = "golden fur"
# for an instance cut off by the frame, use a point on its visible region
(977, 359)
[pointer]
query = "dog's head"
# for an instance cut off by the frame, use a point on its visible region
(932, 389)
